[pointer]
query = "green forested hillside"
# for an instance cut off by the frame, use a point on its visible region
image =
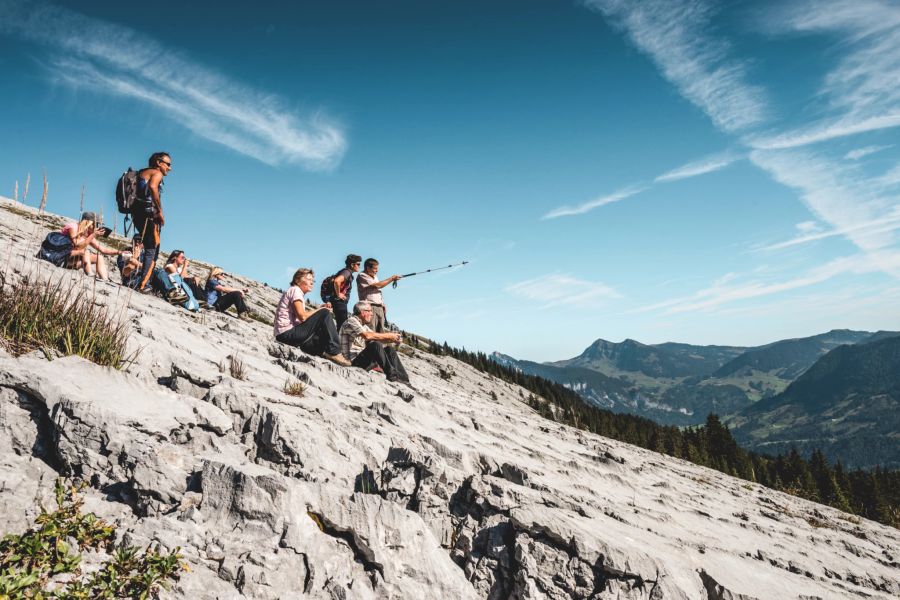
(874, 494)
(789, 358)
(847, 404)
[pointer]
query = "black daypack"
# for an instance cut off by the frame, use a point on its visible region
(127, 192)
(327, 288)
(56, 248)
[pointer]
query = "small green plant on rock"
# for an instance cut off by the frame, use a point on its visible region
(45, 562)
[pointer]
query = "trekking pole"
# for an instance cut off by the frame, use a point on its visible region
(463, 263)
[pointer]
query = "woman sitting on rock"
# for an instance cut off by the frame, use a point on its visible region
(83, 236)
(222, 297)
(313, 331)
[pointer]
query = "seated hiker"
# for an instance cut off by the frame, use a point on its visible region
(86, 251)
(222, 297)
(369, 289)
(336, 288)
(177, 264)
(311, 330)
(130, 262)
(366, 348)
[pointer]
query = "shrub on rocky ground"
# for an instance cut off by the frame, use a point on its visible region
(46, 561)
(61, 317)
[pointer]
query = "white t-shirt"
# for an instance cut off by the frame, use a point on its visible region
(367, 291)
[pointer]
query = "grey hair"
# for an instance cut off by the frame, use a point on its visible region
(359, 306)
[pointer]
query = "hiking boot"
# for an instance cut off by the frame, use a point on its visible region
(338, 359)
(176, 296)
(245, 316)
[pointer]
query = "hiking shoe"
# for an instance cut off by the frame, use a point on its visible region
(245, 316)
(338, 359)
(176, 296)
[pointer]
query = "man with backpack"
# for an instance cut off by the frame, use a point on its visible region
(336, 288)
(140, 195)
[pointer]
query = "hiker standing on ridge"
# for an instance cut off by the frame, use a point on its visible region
(369, 289)
(336, 288)
(148, 214)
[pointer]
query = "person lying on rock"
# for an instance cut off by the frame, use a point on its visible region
(366, 349)
(312, 330)
(221, 297)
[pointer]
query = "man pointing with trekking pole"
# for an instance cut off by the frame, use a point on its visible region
(369, 288)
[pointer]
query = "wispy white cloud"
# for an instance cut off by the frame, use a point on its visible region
(706, 165)
(676, 35)
(808, 227)
(865, 151)
(559, 289)
(823, 132)
(564, 211)
(732, 288)
(695, 168)
(860, 206)
(888, 223)
(91, 54)
(861, 90)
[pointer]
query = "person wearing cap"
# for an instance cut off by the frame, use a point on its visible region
(148, 213)
(83, 235)
(369, 289)
(222, 297)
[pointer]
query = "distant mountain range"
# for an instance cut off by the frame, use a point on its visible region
(847, 404)
(680, 384)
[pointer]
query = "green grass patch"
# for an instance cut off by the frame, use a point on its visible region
(51, 549)
(53, 316)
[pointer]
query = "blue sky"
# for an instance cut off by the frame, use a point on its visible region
(701, 172)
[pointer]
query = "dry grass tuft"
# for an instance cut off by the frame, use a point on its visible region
(294, 388)
(236, 368)
(47, 316)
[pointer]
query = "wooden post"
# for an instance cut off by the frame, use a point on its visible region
(25, 195)
(16, 192)
(81, 210)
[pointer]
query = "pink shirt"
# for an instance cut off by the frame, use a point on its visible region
(285, 316)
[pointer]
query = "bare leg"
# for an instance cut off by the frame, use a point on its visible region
(102, 268)
(86, 261)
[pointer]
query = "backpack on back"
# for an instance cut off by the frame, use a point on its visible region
(127, 191)
(327, 288)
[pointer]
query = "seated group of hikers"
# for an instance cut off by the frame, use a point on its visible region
(359, 339)
(76, 246)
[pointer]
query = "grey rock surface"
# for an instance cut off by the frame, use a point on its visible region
(356, 490)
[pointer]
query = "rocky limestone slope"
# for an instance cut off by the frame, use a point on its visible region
(475, 495)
